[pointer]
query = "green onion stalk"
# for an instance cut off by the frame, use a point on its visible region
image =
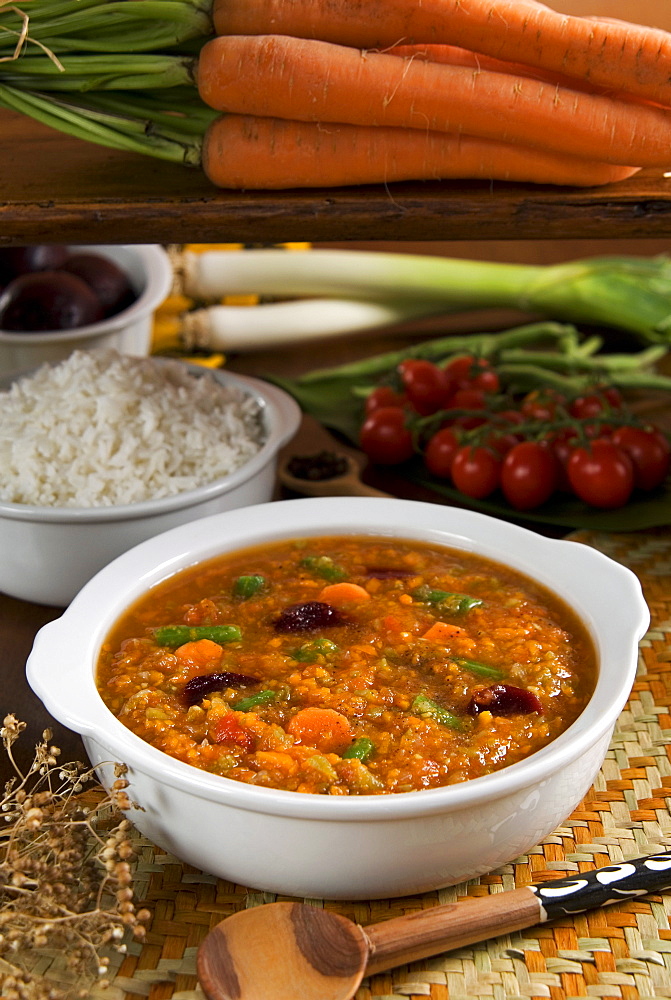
(626, 292)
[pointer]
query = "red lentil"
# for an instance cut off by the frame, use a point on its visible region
(451, 667)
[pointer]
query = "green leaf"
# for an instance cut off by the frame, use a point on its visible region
(330, 401)
(642, 512)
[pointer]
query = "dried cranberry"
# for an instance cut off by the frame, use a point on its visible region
(504, 699)
(309, 617)
(198, 687)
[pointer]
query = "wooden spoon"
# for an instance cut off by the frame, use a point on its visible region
(345, 484)
(286, 951)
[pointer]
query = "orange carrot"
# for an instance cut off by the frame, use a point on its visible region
(444, 632)
(243, 152)
(343, 593)
(299, 79)
(199, 651)
(615, 54)
(323, 728)
(454, 55)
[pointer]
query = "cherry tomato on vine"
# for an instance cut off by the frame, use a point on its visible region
(426, 385)
(500, 439)
(468, 423)
(440, 451)
(562, 443)
(649, 454)
(542, 404)
(485, 378)
(471, 372)
(601, 474)
(529, 475)
(384, 436)
(598, 429)
(383, 395)
(469, 398)
(503, 434)
(459, 369)
(476, 471)
(511, 416)
(597, 403)
(612, 395)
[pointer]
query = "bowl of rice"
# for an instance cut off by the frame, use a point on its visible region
(149, 271)
(102, 450)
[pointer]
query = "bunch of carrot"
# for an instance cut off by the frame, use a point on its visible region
(298, 93)
(382, 90)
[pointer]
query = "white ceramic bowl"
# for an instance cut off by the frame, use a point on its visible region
(360, 846)
(129, 332)
(48, 553)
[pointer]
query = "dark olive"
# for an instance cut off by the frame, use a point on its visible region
(25, 260)
(110, 283)
(48, 300)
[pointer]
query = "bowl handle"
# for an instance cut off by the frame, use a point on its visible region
(50, 672)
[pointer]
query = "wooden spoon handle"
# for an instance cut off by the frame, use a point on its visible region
(442, 928)
(455, 925)
(357, 488)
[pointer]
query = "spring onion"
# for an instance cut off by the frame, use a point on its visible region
(626, 292)
(231, 328)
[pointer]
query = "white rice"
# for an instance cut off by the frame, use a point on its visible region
(101, 429)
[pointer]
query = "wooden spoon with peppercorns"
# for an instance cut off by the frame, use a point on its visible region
(325, 474)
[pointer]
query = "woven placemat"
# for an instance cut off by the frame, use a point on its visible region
(620, 951)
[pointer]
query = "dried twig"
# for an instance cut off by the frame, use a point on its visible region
(65, 872)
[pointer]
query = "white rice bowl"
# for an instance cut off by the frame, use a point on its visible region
(101, 429)
(103, 450)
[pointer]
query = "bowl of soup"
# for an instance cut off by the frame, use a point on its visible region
(347, 697)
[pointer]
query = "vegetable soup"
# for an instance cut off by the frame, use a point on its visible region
(348, 665)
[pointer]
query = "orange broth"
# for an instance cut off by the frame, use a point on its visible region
(348, 666)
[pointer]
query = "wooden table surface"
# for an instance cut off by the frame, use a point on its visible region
(80, 193)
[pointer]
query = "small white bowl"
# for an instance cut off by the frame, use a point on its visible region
(129, 332)
(340, 847)
(48, 553)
